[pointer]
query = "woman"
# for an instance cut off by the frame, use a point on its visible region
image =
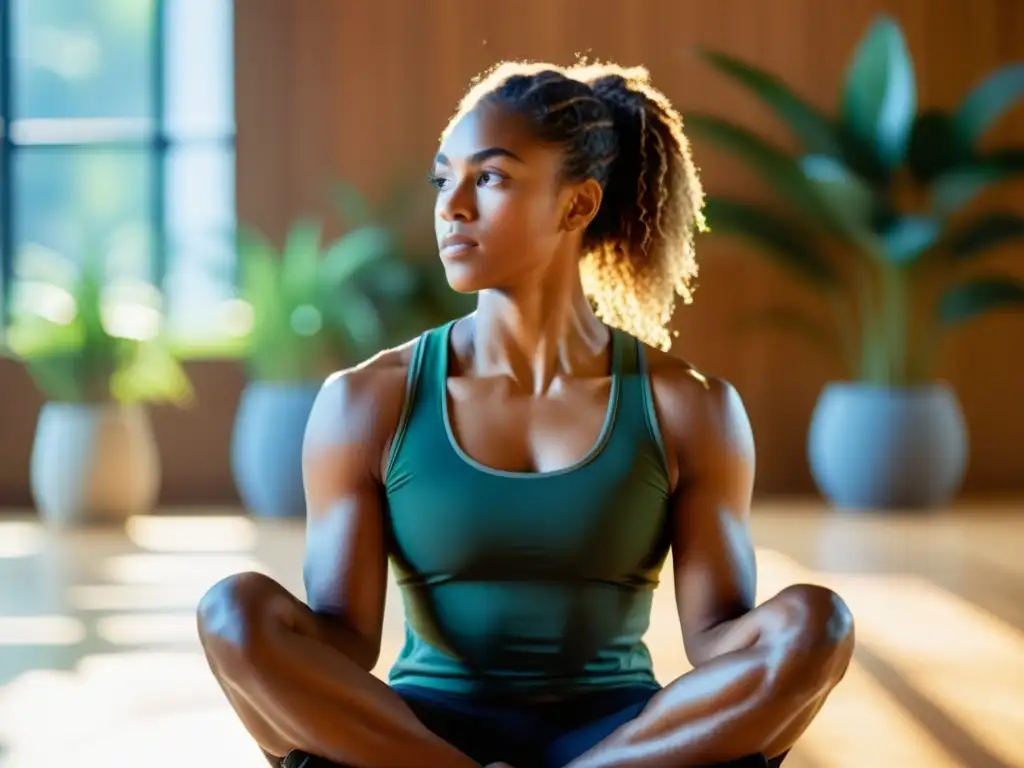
(527, 469)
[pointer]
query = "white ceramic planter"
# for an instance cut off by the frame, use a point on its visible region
(874, 447)
(93, 463)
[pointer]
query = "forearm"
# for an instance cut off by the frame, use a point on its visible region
(334, 631)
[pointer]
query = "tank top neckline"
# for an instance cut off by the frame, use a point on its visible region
(444, 342)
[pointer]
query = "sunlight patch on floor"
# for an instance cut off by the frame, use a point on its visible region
(110, 602)
(191, 534)
(176, 569)
(965, 661)
(41, 630)
(20, 539)
(139, 708)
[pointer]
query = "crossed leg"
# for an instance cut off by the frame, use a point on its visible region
(293, 689)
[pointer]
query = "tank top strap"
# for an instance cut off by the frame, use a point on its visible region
(637, 416)
(421, 410)
(434, 368)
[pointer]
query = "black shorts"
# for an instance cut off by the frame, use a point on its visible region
(533, 735)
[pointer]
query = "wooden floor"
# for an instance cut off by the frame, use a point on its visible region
(99, 664)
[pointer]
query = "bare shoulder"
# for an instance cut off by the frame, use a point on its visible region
(359, 407)
(702, 417)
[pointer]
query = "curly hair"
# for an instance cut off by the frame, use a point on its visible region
(615, 127)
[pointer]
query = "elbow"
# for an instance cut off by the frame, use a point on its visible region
(336, 631)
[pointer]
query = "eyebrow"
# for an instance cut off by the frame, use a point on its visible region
(482, 156)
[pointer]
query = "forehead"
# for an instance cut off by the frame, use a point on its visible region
(489, 126)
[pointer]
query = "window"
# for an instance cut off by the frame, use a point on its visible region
(118, 140)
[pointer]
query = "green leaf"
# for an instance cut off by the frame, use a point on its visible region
(850, 200)
(151, 373)
(777, 169)
(986, 232)
(789, 320)
(353, 251)
(879, 98)
(955, 189)
(978, 297)
(988, 101)
(909, 237)
(300, 261)
(781, 241)
(935, 146)
(811, 126)
(355, 317)
(352, 205)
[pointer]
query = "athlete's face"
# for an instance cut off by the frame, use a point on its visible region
(502, 214)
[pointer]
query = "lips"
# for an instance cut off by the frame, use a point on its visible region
(456, 243)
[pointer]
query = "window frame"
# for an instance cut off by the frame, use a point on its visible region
(151, 135)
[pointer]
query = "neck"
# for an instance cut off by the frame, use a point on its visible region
(536, 334)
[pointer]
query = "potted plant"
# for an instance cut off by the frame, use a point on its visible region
(97, 353)
(408, 287)
(309, 318)
(873, 219)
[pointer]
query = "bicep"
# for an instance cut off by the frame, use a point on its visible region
(715, 568)
(345, 568)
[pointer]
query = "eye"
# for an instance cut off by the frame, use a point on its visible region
(489, 178)
(437, 181)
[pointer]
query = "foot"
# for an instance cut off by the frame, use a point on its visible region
(297, 759)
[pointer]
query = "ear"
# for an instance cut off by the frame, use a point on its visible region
(584, 202)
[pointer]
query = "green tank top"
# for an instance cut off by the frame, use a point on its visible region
(518, 582)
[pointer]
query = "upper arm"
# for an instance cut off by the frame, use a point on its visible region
(712, 551)
(345, 569)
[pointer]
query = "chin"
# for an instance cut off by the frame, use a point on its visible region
(467, 278)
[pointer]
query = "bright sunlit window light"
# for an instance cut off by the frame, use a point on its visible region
(81, 130)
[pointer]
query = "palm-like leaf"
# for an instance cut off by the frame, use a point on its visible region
(935, 146)
(988, 101)
(778, 238)
(822, 337)
(907, 238)
(978, 297)
(958, 187)
(777, 169)
(852, 197)
(984, 233)
(880, 93)
(814, 130)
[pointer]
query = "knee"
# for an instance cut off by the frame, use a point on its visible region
(234, 611)
(821, 629)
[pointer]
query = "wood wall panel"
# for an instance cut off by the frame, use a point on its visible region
(361, 89)
(400, 66)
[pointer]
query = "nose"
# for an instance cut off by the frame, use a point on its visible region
(458, 202)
